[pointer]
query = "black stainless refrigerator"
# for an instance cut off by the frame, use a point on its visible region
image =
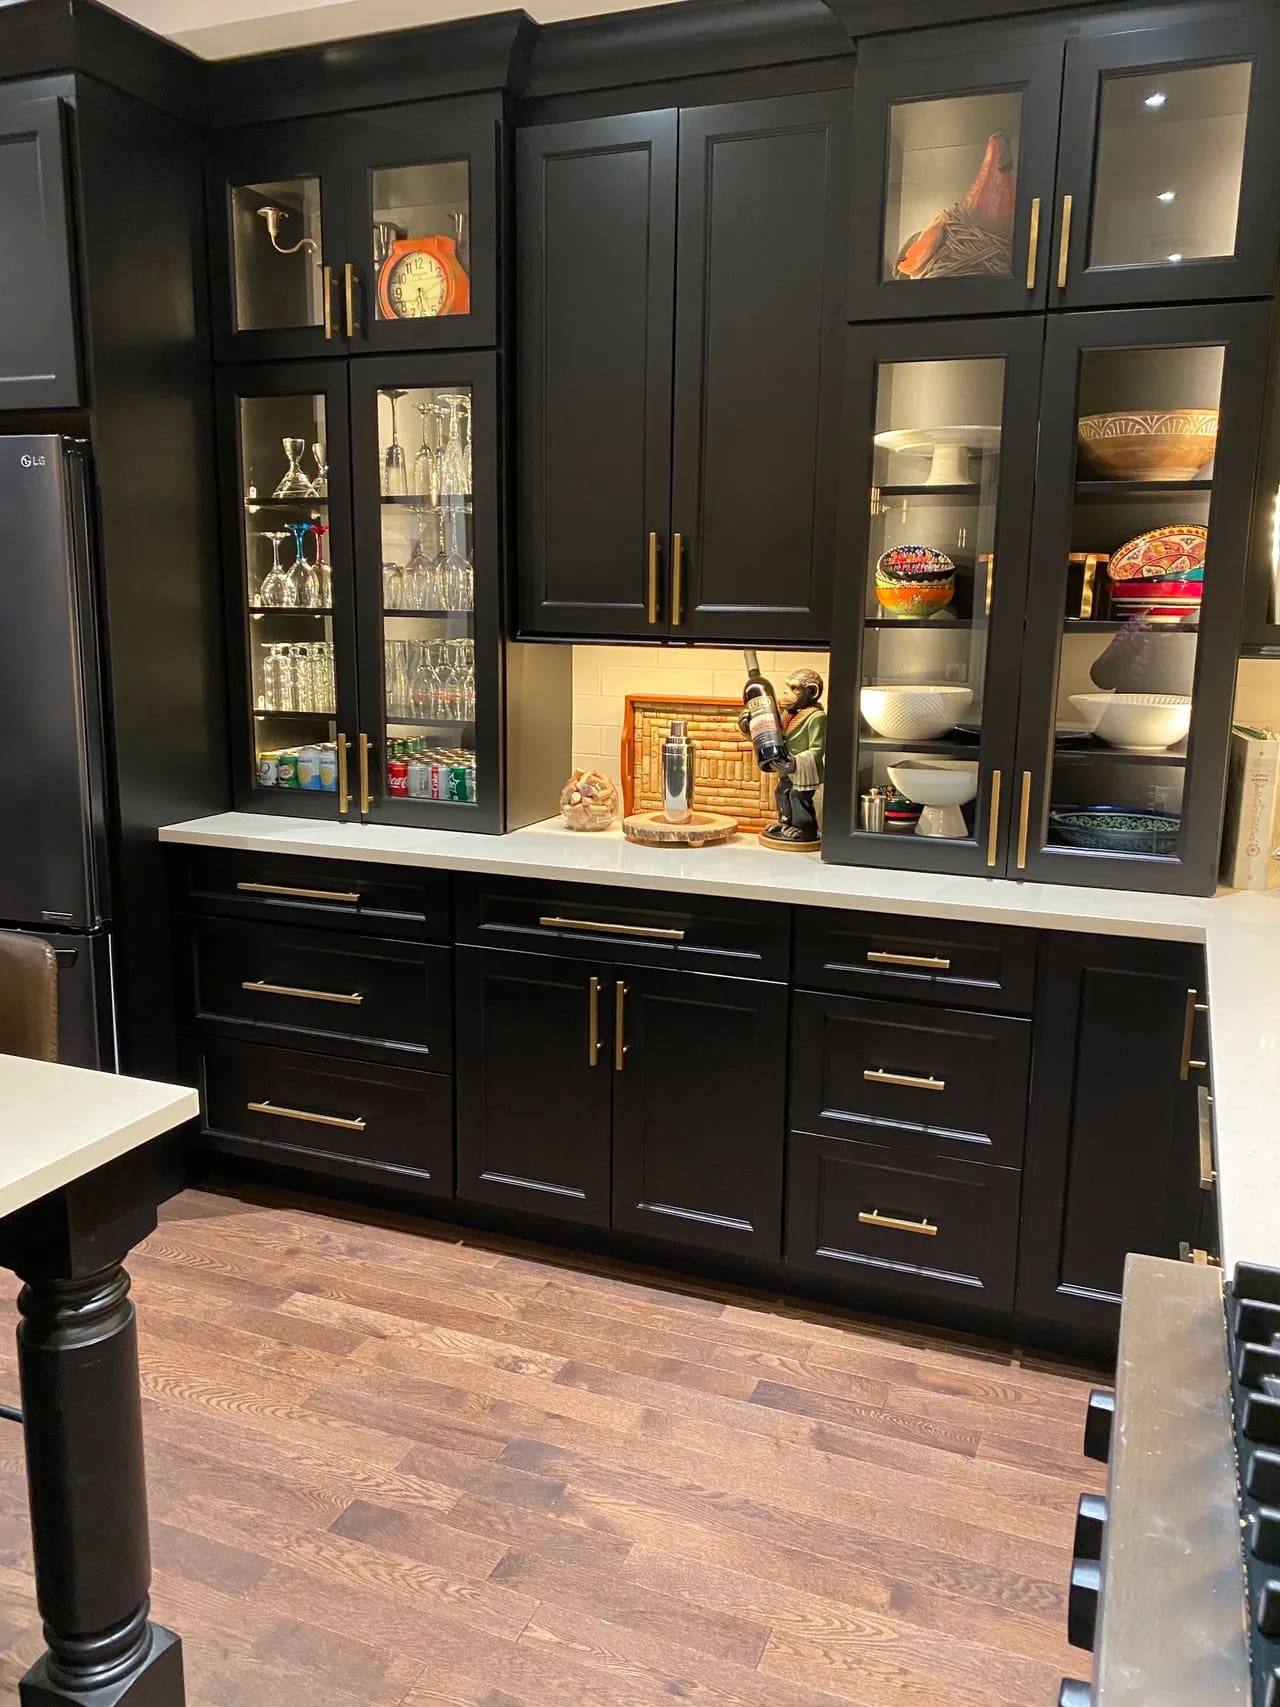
(54, 829)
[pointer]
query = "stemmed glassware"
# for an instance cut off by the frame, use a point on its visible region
(275, 582)
(295, 483)
(395, 471)
(324, 575)
(454, 479)
(392, 586)
(320, 485)
(301, 577)
(396, 672)
(426, 464)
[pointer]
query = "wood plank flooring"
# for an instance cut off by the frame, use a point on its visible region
(396, 1465)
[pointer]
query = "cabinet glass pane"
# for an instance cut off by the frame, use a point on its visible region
(289, 592)
(1148, 421)
(421, 240)
(930, 588)
(952, 186)
(276, 242)
(428, 595)
(1170, 156)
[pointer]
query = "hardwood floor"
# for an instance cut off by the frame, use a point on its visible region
(395, 1464)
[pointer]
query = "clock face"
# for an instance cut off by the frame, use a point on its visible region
(417, 285)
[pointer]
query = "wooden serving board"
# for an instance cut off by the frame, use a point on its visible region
(725, 777)
(702, 829)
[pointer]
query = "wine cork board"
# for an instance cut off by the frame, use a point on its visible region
(725, 777)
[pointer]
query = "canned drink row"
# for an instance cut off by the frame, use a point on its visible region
(311, 767)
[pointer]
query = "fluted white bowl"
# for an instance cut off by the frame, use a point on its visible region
(914, 713)
(1137, 722)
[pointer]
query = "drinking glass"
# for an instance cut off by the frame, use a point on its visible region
(441, 689)
(466, 454)
(422, 683)
(396, 666)
(274, 582)
(392, 586)
(300, 669)
(323, 573)
(271, 686)
(322, 674)
(426, 465)
(299, 569)
(453, 465)
(467, 655)
(295, 483)
(395, 471)
(320, 485)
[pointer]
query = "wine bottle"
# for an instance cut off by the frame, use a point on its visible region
(764, 725)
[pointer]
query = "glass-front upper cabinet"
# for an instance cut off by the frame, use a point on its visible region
(931, 591)
(424, 447)
(1149, 423)
(287, 517)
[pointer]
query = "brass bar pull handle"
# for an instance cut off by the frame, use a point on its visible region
(652, 604)
(260, 987)
(993, 817)
(897, 1223)
(677, 578)
(1194, 1006)
(1033, 244)
(326, 288)
(348, 1124)
(344, 781)
(350, 896)
(620, 1028)
(913, 1081)
(933, 962)
(1064, 243)
(1204, 1113)
(593, 1023)
(349, 292)
(551, 923)
(362, 748)
(1024, 820)
(1201, 1259)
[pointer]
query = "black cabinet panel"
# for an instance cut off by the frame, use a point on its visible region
(698, 1116)
(1112, 1161)
(595, 263)
(938, 960)
(850, 1059)
(957, 1222)
(384, 900)
(533, 1107)
(763, 188)
(39, 362)
(376, 1123)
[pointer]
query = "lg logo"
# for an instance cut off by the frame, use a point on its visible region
(32, 461)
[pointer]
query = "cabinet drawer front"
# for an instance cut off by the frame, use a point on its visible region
(385, 900)
(370, 1122)
(941, 1080)
(933, 1227)
(354, 995)
(748, 939)
(940, 960)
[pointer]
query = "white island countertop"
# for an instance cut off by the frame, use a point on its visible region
(1241, 933)
(60, 1123)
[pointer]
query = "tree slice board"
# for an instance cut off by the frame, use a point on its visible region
(703, 828)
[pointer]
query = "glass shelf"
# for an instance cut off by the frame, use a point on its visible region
(1138, 488)
(926, 491)
(1097, 752)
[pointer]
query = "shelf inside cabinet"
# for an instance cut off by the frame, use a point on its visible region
(966, 745)
(328, 715)
(1138, 488)
(292, 506)
(954, 625)
(1098, 752)
(290, 610)
(971, 490)
(1111, 625)
(469, 614)
(428, 722)
(419, 501)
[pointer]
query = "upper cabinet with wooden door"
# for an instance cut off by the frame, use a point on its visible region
(1115, 165)
(680, 279)
(356, 233)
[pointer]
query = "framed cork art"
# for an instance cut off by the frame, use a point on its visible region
(725, 775)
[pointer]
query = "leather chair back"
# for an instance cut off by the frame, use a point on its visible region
(28, 997)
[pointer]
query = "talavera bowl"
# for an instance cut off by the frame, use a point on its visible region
(1148, 444)
(1115, 829)
(914, 713)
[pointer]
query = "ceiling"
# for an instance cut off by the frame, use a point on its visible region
(220, 29)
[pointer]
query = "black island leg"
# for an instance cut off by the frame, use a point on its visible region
(82, 1420)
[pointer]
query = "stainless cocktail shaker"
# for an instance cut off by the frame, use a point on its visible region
(677, 774)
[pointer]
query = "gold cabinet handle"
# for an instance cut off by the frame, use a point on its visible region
(677, 577)
(993, 817)
(934, 962)
(593, 1023)
(913, 1081)
(326, 289)
(1033, 243)
(347, 1123)
(1024, 820)
(362, 748)
(1064, 243)
(1201, 1259)
(652, 611)
(620, 1027)
(897, 1223)
(260, 987)
(1194, 1006)
(351, 896)
(1204, 1113)
(344, 782)
(655, 931)
(349, 295)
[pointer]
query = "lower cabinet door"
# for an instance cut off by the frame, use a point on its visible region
(534, 1072)
(388, 1125)
(699, 1121)
(930, 1226)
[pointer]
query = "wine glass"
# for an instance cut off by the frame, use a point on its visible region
(320, 485)
(392, 586)
(422, 684)
(295, 483)
(323, 573)
(395, 472)
(299, 569)
(395, 658)
(426, 465)
(453, 466)
(274, 583)
(466, 453)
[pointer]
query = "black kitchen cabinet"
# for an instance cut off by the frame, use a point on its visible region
(39, 346)
(1112, 1154)
(705, 242)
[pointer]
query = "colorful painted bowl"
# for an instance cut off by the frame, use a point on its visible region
(1148, 444)
(1164, 554)
(915, 602)
(915, 581)
(1156, 601)
(1115, 829)
(910, 562)
(899, 812)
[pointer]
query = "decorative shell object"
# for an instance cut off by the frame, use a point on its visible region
(588, 801)
(1164, 554)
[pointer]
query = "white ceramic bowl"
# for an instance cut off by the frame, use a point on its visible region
(914, 713)
(1137, 722)
(942, 787)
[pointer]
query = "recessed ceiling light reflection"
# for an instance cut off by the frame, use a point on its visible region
(1166, 195)
(1156, 100)
(1176, 256)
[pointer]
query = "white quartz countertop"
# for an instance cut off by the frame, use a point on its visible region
(59, 1123)
(1241, 933)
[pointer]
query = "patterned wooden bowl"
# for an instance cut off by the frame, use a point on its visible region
(1159, 444)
